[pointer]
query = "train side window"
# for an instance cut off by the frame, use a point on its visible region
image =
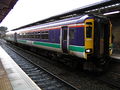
(38, 35)
(89, 32)
(32, 36)
(72, 33)
(45, 35)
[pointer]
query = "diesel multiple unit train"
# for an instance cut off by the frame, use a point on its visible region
(86, 36)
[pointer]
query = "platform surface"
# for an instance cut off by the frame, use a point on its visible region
(4, 81)
(12, 77)
(116, 56)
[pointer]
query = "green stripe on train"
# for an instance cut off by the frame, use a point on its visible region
(77, 48)
(72, 48)
(22, 41)
(47, 44)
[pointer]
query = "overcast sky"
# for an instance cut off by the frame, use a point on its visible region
(28, 11)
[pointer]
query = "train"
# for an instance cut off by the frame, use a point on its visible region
(87, 37)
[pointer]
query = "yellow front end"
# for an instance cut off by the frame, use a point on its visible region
(89, 37)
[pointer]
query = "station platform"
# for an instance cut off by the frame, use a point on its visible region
(116, 56)
(12, 77)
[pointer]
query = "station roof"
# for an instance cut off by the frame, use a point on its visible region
(5, 7)
(97, 8)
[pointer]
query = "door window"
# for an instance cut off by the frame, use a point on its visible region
(64, 32)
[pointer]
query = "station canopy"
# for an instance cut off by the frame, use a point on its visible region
(5, 7)
(104, 7)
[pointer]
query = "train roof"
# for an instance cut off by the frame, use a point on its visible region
(67, 21)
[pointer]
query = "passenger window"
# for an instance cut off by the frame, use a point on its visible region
(38, 35)
(89, 32)
(72, 33)
(44, 35)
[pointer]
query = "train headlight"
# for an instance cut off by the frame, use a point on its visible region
(88, 50)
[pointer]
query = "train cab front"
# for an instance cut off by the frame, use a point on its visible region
(98, 40)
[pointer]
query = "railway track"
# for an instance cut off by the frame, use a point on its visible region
(112, 79)
(112, 76)
(80, 81)
(43, 78)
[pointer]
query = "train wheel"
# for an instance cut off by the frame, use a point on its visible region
(104, 63)
(89, 66)
(52, 56)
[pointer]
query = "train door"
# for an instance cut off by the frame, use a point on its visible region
(15, 37)
(64, 38)
(101, 37)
